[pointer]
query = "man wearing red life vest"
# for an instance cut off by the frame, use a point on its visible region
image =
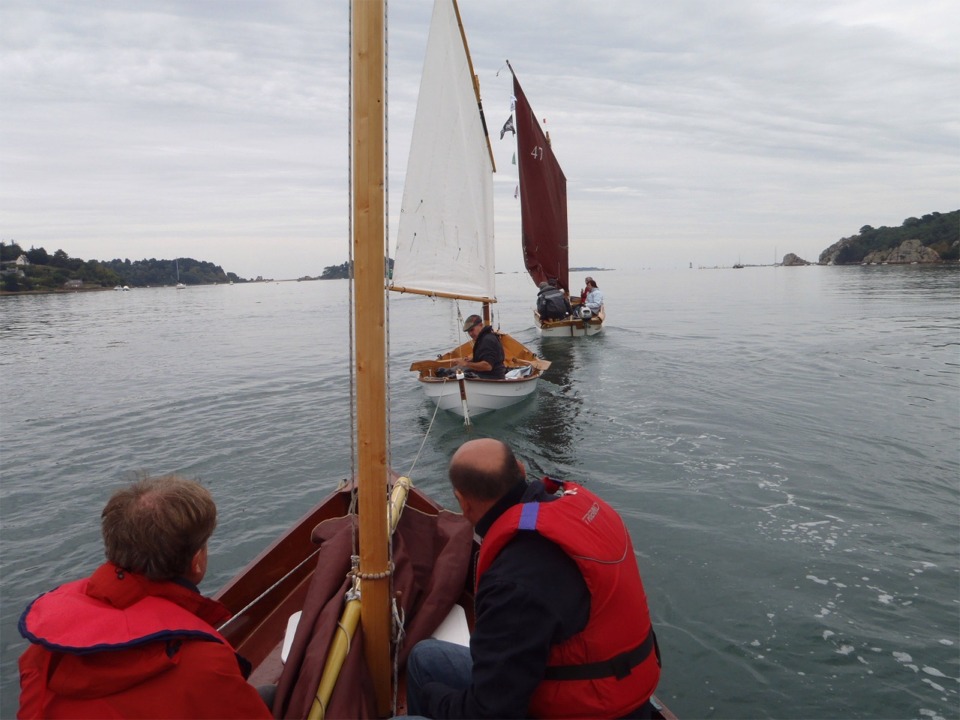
(562, 625)
(136, 639)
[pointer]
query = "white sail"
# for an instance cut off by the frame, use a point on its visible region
(445, 238)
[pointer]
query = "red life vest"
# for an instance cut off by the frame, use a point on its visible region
(609, 668)
(117, 645)
(68, 619)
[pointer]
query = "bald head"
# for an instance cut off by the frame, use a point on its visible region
(484, 469)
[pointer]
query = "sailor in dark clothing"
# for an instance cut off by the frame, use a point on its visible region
(552, 302)
(488, 355)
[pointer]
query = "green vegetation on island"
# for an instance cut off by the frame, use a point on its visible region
(37, 270)
(937, 232)
(344, 271)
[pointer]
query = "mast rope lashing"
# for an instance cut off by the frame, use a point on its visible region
(374, 576)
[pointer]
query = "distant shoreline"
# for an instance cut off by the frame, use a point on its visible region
(54, 291)
(97, 288)
(69, 291)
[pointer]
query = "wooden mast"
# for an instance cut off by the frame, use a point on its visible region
(369, 251)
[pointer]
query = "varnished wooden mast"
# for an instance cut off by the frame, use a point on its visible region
(369, 251)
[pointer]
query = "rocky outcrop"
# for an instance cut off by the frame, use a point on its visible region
(791, 260)
(829, 256)
(911, 251)
(908, 252)
(931, 239)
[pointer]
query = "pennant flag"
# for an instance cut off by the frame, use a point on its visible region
(507, 127)
(516, 192)
(513, 103)
(514, 159)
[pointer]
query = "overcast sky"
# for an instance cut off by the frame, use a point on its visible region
(689, 131)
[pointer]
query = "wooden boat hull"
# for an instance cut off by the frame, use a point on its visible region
(307, 571)
(482, 395)
(569, 327)
(273, 586)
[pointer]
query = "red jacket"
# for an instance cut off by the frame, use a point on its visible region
(618, 628)
(117, 645)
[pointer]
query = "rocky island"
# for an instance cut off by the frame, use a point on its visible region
(934, 238)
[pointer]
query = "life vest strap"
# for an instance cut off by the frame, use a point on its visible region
(618, 666)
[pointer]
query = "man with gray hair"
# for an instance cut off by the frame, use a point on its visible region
(488, 356)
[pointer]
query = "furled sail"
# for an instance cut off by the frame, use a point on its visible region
(445, 239)
(543, 199)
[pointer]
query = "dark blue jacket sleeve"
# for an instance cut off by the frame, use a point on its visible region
(531, 597)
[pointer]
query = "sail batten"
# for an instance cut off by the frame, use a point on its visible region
(543, 198)
(445, 238)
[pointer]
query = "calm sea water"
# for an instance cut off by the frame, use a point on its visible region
(784, 444)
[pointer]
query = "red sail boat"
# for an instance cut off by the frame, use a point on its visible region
(543, 212)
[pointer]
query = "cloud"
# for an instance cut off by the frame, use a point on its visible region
(219, 130)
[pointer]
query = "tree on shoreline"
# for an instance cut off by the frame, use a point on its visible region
(344, 270)
(51, 272)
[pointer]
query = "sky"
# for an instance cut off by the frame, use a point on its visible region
(690, 131)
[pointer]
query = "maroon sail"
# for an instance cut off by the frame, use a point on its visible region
(543, 199)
